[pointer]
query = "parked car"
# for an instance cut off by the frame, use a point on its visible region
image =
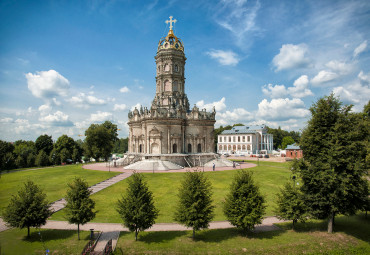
(266, 156)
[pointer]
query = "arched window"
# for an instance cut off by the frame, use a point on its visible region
(199, 148)
(248, 147)
(220, 147)
(166, 67)
(225, 147)
(140, 148)
(174, 148)
(234, 147)
(229, 148)
(176, 68)
(239, 148)
(243, 147)
(189, 148)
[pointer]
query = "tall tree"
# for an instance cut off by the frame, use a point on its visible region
(121, 145)
(290, 204)
(100, 140)
(42, 159)
(29, 208)
(194, 208)
(287, 140)
(136, 207)
(6, 155)
(244, 205)
(79, 207)
(22, 149)
(45, 143)
(333, 147)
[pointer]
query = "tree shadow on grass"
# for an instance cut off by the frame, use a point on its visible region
(357, 226)
(160, 236)
(48, 235)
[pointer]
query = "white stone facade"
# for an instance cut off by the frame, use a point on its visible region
(245, 140)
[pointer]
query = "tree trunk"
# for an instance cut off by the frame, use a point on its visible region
(193, 233)
(136, 234)
(78, 231)
(331, 222)
(28, 231)
(294, 222)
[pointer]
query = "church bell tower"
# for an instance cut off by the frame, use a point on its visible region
(170, 76)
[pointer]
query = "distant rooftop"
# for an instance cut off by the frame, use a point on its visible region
(293, 147)
(245, 129)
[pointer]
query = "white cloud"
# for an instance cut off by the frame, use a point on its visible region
(85, 101)
(282, 109)
(226, 58)
(124, 89)
(44, 109)
(6, 120)
(300, 88)
(219, 105)
(356, 92)
(47, 84)
(339, 67)
(324, 77)
(21, 121)
(100, 116)
(276, 91)
(137, 106)
(291, 56)
(57, 119)
(119, 107)
(238, 115)
(361, 48)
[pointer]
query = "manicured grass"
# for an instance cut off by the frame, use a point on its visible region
(15, 241)
(52, 180)
(352, 237)
(269, 176)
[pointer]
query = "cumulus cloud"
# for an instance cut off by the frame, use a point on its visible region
(44, 109)
(57, 119)
(300, 88)
(219, 105)
(238, 115)
(85, 101)
(356, 92)
(282, 109)
(324, 77)
(119, 107)
(361, 48)
(276, 91)
(339, 67)
(6, 120)
(47, 84)
(137, 106)
(100, 116)
(226, 58)
(124, 89)
(291, 56)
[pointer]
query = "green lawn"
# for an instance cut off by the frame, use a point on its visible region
(15, 241)
(269, 176)
(52, 180)
(352, 236)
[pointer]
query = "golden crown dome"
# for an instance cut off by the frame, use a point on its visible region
(170, 41)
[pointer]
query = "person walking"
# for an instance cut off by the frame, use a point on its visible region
(233, 164)
(214, 166)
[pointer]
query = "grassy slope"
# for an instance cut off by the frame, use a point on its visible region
(52, 180)
(352, 237)
(269, 176)
(15, 241)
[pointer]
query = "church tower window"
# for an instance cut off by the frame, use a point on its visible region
(166, 67)
(167, 85)
(176, 68)
(199, 148)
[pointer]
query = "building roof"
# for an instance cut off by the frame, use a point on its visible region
(293, 147)
(244, 129)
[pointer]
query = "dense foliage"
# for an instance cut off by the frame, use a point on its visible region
(29, 208)
(121, 145)
(79, 207)
(334, 148)
(194, 208)
(136, 208)
(244, 206)
(280, 134)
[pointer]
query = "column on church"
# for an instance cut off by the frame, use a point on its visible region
(168, 140)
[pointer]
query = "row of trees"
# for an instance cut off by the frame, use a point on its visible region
(30, 208)
(244, 205)
(334, 172)
(100, 141)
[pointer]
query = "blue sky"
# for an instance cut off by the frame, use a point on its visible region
(67, 64)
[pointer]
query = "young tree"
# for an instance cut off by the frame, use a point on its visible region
(136, 207)
(29, 208)
(42, 159)
(334, 149)
(79, 207)
(287, 140)
(244, 205)
(195, 208)
(290, 204)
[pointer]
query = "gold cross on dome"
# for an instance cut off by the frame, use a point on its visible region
(171, 21)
